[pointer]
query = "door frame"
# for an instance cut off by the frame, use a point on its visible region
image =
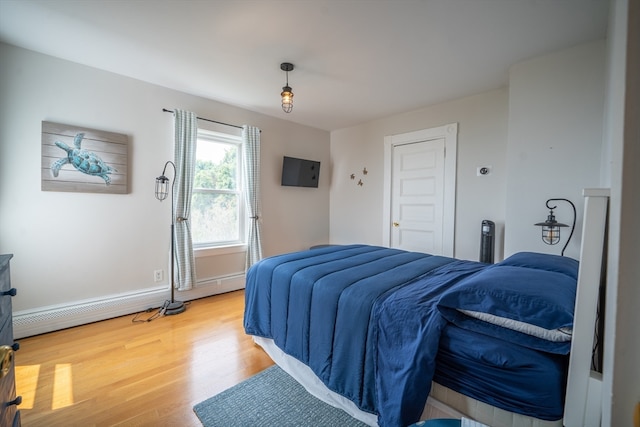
(449, 133)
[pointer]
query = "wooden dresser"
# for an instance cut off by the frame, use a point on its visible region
(9, 414)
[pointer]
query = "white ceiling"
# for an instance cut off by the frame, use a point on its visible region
(355, 60)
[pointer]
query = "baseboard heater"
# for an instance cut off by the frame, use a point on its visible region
(28, 323)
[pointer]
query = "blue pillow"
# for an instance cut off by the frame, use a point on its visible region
(560, 264)
(527, 299)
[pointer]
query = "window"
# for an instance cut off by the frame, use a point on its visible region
(217, 206)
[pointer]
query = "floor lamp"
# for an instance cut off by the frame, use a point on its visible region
(162, 191)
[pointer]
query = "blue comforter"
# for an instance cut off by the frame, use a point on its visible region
(368, 320)
(349, 313)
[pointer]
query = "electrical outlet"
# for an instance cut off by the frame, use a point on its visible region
(157, 275)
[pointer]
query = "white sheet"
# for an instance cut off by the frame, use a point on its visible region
(442, 403)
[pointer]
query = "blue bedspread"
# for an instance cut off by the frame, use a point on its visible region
(369, 321)
(512, 377)
(349, 313)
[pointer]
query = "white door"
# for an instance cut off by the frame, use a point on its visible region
(417, 196)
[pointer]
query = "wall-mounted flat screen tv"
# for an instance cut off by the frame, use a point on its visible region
(300, 172)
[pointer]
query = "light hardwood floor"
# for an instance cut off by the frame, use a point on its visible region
(119, 373)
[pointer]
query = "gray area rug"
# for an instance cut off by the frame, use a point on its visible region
(270, 398)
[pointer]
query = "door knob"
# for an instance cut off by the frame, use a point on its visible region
(396, 224)
(6, 360)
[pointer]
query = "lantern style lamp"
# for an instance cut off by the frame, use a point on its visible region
(162, 191)
(287, 92)
(551, 228)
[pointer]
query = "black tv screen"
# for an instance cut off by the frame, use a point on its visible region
(300, 172)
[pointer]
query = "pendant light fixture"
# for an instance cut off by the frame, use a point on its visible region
(287, 93)
(551, 227)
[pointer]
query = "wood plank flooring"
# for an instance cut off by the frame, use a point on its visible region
(120, 373)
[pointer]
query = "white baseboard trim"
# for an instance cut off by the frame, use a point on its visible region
(28, 323)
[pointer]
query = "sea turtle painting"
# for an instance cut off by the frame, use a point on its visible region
(85, 161)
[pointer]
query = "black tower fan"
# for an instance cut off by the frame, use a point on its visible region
(487, 238)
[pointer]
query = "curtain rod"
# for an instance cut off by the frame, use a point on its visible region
(208, 120)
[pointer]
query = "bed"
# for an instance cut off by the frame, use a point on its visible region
(393, 337)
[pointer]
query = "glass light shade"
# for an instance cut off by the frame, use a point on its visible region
(162, 187)
(551, 234)
(287, 99)
(551, 229)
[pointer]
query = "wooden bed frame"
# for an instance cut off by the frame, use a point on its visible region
(583, 395)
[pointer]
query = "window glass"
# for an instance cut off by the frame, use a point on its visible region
(217, 209)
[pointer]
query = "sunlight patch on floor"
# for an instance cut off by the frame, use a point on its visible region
(27, 377)
(27, 384)
(62, 386)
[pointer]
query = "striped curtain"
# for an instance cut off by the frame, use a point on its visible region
(251, 160)
(186, 136)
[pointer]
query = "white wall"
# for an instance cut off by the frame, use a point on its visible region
(71, 247)
(556, 106)
(553, 110)
(621, 371)
(356, 211)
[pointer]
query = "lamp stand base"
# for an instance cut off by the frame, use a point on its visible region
(175, 307)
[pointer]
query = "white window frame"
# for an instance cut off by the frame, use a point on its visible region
(232, 246)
